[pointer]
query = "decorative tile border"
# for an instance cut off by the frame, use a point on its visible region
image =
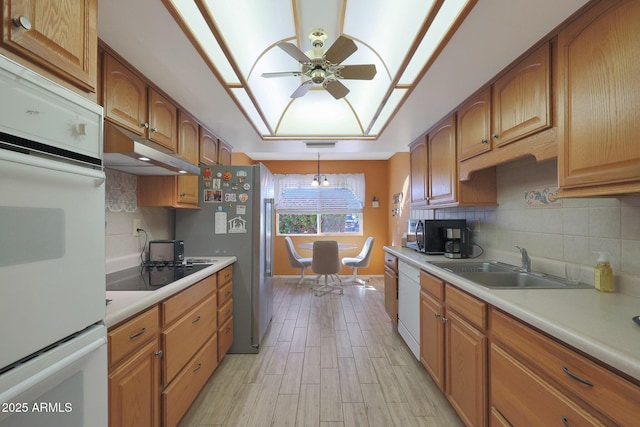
(120, 192)
(543, 197)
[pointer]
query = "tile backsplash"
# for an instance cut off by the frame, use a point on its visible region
(554, 232)
(122, 249)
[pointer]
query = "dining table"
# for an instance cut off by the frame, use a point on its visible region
(341, 246)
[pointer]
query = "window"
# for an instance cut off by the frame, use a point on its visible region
(302, 209)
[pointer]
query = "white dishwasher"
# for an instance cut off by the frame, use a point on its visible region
(409, 306)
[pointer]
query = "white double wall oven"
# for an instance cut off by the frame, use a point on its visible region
(53, 357)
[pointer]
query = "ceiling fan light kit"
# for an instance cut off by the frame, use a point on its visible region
(323, 67)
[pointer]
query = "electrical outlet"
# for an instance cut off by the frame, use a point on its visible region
(136, 224)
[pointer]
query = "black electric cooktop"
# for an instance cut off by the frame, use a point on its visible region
(150, 276)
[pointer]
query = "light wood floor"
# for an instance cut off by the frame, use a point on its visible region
(326, 361)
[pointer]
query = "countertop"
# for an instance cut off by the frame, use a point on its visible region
(596, 323)
(125, 304)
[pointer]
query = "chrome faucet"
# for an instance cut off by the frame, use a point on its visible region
(526, 261)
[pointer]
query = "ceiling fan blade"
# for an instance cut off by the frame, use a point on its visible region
(282, 74)
(302, 89)
(336, 89)
(294, 52)
(340, 50)
(357, 72)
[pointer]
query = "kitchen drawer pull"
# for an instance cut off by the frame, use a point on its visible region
(144, 125)
(197, 368)
(577, 378)
(484, 141)
(437, 315)
(565, 422)
(196, 320)
(154, 130)
(158, 353)
(495, 136)
(137, 334)
(444, 320)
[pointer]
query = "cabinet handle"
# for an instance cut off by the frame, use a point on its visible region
(577, 378)
(158, 353)
(437, 315)
(137, 334)
(565, 422)
(154, 130)
(183, 194)
(197, 368)
(484, 141)
(196, 320)
(22, 22)
(444, 320)
(144, 125)
(495, 136)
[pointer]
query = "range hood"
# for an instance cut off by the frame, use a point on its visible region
(123, 153)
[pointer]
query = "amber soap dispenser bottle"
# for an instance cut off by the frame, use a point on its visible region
(603, 276)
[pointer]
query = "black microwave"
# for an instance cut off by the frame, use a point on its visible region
(429, 236)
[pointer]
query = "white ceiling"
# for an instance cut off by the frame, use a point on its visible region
(493, 35)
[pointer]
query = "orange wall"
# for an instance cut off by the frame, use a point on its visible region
(375, 220)
(398, 183)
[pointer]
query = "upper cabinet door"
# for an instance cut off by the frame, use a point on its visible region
(474, 123)
(418, 173)
(163, 121)
(124, 97)
(522, 99)
(208, 147)
(224, 153)
(441, 160)
(599, 136)
(188, 137)
(58, 35)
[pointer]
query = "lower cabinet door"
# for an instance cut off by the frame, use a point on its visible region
(134, 389)
(177, 398)
(225, 338)
(524, 399)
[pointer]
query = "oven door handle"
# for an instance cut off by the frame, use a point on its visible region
(53, 165)
(15, 391)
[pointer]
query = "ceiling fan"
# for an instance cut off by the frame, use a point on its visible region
(323, 67)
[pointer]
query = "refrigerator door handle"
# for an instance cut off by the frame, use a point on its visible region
(268, 242)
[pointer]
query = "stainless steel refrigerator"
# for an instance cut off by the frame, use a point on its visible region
(236, 218)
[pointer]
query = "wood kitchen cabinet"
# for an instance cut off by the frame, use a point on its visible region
(139, 109)
(531, 371)
(58, 35)
(224, 153)
(134, 371)
(391, 287)
(160, 360)
(435, 183)
(514, 107)
(225, 311)
(419, 196)
(598, 62)
(453, 346)
(208, 147)
(175, 191)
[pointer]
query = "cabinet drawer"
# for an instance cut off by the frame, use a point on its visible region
(225, 338)
(225, 293)
(186, 336)
(225, 275)
(225, 311)
(524, 399)
(432, 284)
(129, 336)
(609, 393)
(474, 310)
(391, 261)
(177, 398)
(180, 303)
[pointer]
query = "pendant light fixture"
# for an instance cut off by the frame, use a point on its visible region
(317, 178)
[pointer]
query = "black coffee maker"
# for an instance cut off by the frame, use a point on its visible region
(457, 242)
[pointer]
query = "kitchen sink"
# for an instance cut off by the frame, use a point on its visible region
(498, 275)
(475, 267)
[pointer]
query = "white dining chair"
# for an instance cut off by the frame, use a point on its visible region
(359, 261)
(295, 260)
